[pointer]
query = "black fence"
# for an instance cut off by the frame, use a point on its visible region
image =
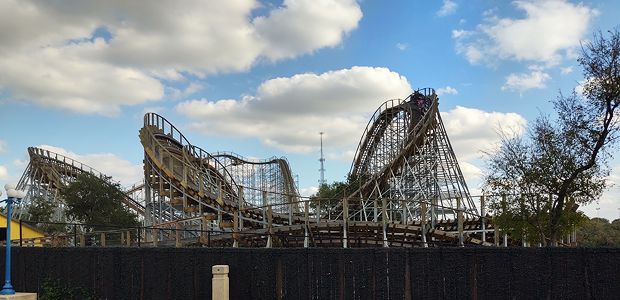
(432, 273)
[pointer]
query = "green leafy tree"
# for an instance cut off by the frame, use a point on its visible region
(598, 232)
(91, 200)
(42, 211)
(330, 195)
(562, 163)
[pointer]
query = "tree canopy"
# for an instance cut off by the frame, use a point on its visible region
(93, 201)
(599, 232)
(563, 161)
(42, 211)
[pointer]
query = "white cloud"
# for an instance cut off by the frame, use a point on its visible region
(96, 56)
(308, 191)
(52, 77)
(301, 26)
(109, 164)
(473, 176)
(4, 173)
(566, 70)
(402, 46)
(20, 163)
(448, 90)
(522, 82)
(181, 94)
(346, 156)
(287, 112)
(459, 33)
(472, 130)
(448, 8)
(549, 32)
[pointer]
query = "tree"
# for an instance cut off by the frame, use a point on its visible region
(598, 232)
(562, 163)
(91, 200)
(42, 211)
(330, 195)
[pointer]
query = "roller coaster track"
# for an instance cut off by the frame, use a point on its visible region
(264, 178)
(403, 174)
(404, 160)
(184, 182)
(48, 173)
(405, 155)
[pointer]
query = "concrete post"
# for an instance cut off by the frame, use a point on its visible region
(219, 283)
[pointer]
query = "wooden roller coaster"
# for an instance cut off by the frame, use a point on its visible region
(410, 191)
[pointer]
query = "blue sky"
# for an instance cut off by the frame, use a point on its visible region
(262, 78)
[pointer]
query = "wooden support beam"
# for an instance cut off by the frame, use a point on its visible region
(375, 210)
(269, 227)
(483, 219)
(384, 217)
(264, 210)
(204, 227)
(177, 235)
(503, 212)
(235, 230)
(345, 222)
(240, 205)
(495, 232)
(306, 223)
(459, 216)
(423, 213)
(290, 210)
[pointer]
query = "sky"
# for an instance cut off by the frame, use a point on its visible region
(263, 78)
